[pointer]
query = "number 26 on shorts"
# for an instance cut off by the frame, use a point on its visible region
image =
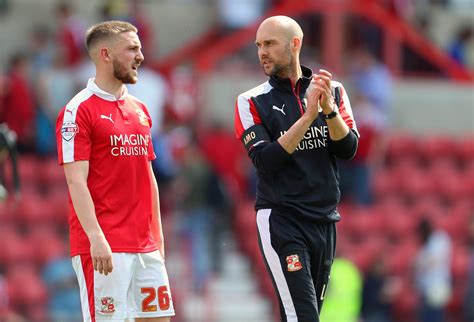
(161, 294)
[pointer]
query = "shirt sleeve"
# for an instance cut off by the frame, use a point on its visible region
(151, 150)
(267, 156)
(73, 135)
(345, 109)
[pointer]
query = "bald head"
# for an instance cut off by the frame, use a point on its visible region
(279, 40)
(282, 25)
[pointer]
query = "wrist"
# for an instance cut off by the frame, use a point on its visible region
(95, 236)
(330, 115)
(328, 109)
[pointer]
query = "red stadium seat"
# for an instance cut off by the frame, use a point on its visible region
(28, 168)
(401, 257)
(25, 287)
(417, 183)
(53, 245)
(384, 183)
(437, 147)
(6, 211)
(52, 174)
(465, 149)
(401, 146)
(59, 200)
(35, 209)
(15, 249)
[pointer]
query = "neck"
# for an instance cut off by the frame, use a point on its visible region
(293, 71)
(296, 74)
(108, 83)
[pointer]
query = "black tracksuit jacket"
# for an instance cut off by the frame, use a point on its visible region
(306, 182)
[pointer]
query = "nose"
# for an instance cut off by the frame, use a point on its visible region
(140, 56)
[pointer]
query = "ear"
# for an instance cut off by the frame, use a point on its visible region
(296, 44)
(104, 54)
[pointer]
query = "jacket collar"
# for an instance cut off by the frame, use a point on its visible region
(92, 86)
(285, 84)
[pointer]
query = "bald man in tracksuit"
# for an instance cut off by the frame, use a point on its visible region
(294, 126)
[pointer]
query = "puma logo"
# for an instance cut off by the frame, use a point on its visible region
(107, 117)
(279, 109)
(69, 111)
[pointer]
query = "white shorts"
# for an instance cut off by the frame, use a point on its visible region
(138, 287)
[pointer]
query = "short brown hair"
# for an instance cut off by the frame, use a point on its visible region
(107, 29)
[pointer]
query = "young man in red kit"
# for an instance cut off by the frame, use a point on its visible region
(104, 145)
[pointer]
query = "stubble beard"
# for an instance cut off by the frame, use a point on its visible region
(121, 73)
(280, 69)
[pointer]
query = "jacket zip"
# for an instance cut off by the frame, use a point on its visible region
(297, 94)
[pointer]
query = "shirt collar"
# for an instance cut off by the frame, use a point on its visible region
(92, 86)
(286, 85)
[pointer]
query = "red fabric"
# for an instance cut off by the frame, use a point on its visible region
(225, 154)
(255, 115)
(18, 111)
(238, 126)
(67, 41)
(114, 136)
(345, 110)
(368, 136)
(88, 270)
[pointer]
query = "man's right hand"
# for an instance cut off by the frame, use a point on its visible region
(101, 254)
(313, 95)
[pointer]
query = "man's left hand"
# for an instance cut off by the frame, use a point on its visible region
(322, 82)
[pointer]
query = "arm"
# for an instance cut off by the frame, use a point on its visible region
(343, 140)
(270, 156)
(76, 177)
(290, 140)
(156, 227)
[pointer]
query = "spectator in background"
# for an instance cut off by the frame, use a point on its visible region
(356, 174)
(458, 47)
(54, 87)
(343, 298)
(64, 301)
(371, 79)
(41, 51)
(433, 272)
(8, 151)
(6, 313)
(378, 293)
(191, 189)
(468, 305)
(19, 110)
(70, 33)
(236, 14)
(138, 18)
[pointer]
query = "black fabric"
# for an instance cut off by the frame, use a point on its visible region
(346, 147)
(313, 245)
(305, 181)
(269, 158)
(253, 136)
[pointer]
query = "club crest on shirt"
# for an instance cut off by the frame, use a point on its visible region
(69, 130)
(142, 117)
(294, 263)
(107, 305)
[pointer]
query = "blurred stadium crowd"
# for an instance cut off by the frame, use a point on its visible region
(406, 241)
